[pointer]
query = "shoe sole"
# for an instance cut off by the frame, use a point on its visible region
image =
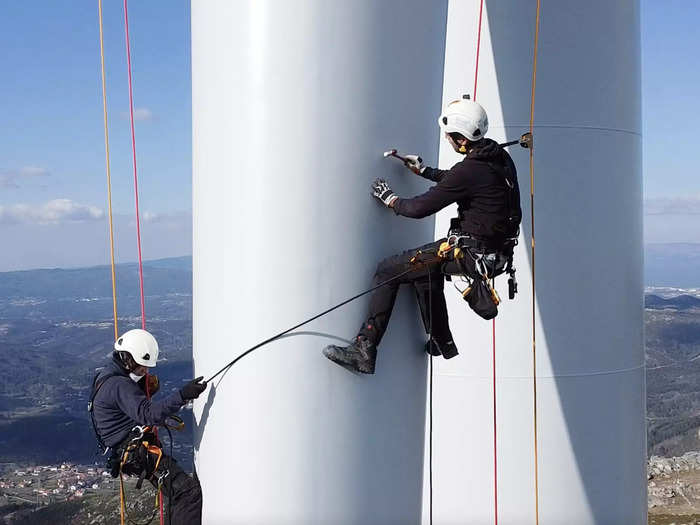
(450, 355)
(347, 366)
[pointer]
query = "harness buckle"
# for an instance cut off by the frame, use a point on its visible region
(162, 477)
(141, 430)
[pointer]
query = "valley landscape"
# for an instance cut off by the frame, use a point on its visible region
(56, 331)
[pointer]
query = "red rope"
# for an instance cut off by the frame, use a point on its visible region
(136, 179)
(136, 201)
(478, 47)
(495, 435)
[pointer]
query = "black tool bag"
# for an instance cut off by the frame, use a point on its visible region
(480, 299)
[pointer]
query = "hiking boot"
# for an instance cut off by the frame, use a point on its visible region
(447, 350)
(358, 357)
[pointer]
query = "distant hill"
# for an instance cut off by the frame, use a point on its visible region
(680, 302)
(56, 329)
(672, 264)
(665, 264)
(161, 276)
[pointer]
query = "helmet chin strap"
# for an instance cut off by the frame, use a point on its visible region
(127, 362)
(462, 149)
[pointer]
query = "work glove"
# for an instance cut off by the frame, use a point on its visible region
(414, 163)
(192, 389)
(382, 191)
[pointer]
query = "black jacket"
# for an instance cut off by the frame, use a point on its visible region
(487, 208)
(121, 404)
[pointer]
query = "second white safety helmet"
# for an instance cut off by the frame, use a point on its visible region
(141, 345)
(465, 117)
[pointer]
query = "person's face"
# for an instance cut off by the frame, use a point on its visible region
(140, 370)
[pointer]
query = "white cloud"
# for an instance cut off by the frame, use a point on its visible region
(149, 216)
(169, 218)
(143, 114)
(33, 171)
(11, 178)
(53, 212)
(679, 205)
(8, 180)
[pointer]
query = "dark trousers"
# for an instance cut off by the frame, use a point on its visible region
(182, 494)
(428, 282)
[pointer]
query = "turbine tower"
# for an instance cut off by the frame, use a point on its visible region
(591, 438)
(293, 104)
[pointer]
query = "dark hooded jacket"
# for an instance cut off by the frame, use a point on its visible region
(485, 187)
(120, 404)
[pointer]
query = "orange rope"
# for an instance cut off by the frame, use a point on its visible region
(122, 502)
(478, 47)
(109, 174)
(532, 248)
(111, 222)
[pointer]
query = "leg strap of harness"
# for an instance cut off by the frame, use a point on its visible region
(138, 452)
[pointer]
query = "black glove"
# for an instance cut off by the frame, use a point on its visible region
(192, 389)
(382, 191)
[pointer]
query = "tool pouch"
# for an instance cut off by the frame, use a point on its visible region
(480, 299)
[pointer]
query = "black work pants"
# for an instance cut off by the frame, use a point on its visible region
(428, 281)
(182, 493)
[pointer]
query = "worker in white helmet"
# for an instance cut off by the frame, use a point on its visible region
(124, 414)
(485, 187)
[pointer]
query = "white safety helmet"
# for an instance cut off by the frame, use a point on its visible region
(465, 117)
(141, 345)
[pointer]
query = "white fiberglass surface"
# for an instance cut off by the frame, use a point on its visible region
(293, 105)
(588, 292)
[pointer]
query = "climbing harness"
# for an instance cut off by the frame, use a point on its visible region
(488, 262)
(136, 459)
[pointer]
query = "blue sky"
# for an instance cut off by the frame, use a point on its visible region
(670, 114)
(52, 160)
(52, 175)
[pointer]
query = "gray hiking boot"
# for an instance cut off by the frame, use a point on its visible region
(360, 356)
